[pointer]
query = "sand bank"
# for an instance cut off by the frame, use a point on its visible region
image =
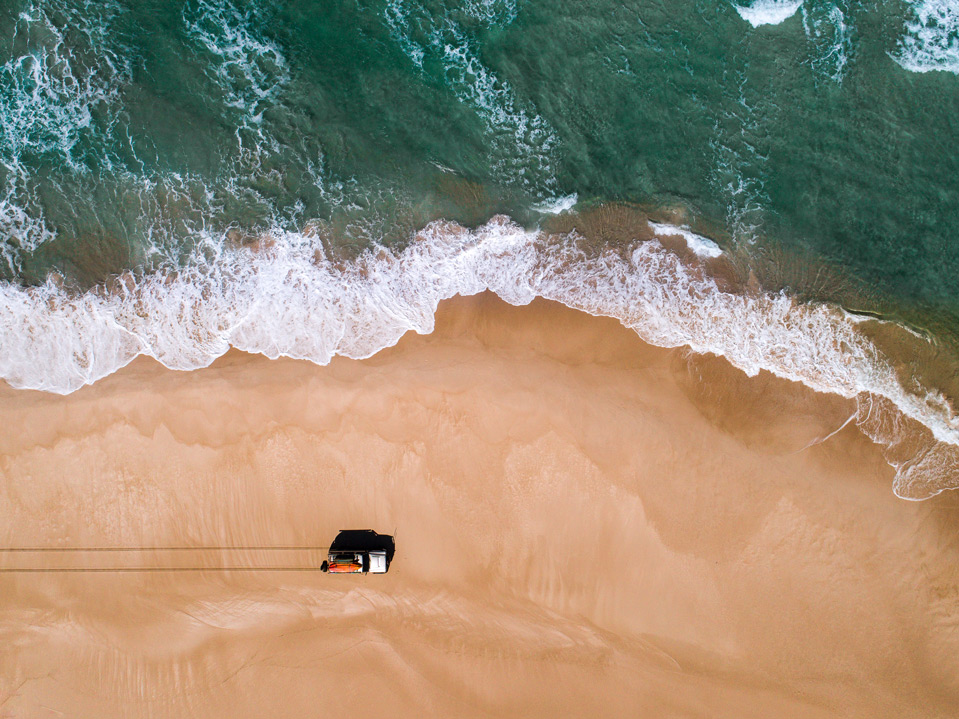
(585, 525)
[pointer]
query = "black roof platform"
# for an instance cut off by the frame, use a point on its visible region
(364, 540)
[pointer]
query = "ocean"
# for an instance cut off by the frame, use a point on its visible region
(774, 182)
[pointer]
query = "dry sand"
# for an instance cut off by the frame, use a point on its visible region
(585, 526)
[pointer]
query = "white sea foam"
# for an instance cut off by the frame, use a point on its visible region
(768, 12)
(250, 70)
(740, 149)
(399, 22)
(828, 28)
(52, 89)
(702, 246)
(826, 25)
(408, 18)
(70, 71)
(287, 299)
(524, 140)
(492, 12)
(523, 143)
(557, 205)
(931, 41)
(20, 231)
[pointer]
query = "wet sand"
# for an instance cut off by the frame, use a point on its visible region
(585, 526)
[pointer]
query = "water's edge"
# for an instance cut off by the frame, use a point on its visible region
(286, 297)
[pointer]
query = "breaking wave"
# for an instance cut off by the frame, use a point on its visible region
(827, 26)
(931, 41)
(768, 12)
(286, 297)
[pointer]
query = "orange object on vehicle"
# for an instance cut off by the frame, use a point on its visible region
(345, 567)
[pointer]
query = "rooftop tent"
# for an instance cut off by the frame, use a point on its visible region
(363, 540)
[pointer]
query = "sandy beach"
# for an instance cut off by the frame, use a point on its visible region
(585, 525)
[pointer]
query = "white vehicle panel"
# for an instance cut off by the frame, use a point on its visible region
(377, 562)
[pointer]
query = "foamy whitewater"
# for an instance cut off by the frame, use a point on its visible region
(288, 299)
(931, 41)
(768, 12)
(702, 246)
(826, 26)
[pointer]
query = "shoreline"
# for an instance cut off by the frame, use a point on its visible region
(591, 523)
(286, 298)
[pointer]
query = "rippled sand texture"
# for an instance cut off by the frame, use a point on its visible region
(585, 525)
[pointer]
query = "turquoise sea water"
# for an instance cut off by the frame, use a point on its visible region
(126, 125)
(168, 168)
